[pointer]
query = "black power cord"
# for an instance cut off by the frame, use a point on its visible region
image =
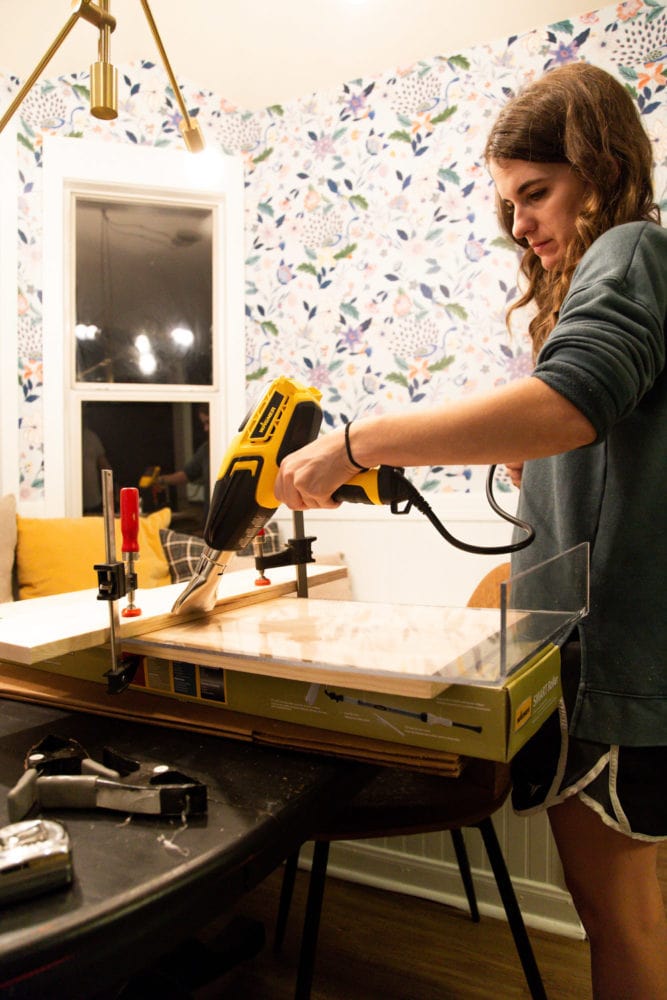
(414, 498)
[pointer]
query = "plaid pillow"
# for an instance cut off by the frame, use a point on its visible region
(182, 553)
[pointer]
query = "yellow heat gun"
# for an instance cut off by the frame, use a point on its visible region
(287, 417)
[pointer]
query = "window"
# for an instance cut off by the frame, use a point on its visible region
(143, 292)
(143, 317)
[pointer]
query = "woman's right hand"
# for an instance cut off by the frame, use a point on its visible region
(307, 478)
(515, 471)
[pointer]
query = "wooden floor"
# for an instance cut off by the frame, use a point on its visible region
(378, 945)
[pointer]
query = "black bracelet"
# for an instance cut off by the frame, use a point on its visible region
(348, 449)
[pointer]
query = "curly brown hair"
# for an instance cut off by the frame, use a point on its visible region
(581, 115)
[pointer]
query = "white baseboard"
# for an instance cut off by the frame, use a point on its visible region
(543, 906)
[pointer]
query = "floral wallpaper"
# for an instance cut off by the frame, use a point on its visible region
(374, 266)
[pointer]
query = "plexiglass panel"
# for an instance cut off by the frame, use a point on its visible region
(406, 650)
(542, 605)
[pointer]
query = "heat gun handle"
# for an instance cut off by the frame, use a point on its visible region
(287, 418)
(382, 485)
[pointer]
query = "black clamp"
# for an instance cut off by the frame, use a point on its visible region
(59, 774)
(297, 552)
(121, 676)
(111, 581)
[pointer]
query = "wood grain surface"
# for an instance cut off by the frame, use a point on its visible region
(409, 650)
(34, 630)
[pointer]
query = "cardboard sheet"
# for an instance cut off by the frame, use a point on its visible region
(29, 684)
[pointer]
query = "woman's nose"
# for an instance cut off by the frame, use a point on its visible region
(522, 223)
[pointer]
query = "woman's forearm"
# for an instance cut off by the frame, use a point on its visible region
(522, 420)
(525, 419)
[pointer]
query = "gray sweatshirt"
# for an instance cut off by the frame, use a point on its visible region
(607, 356)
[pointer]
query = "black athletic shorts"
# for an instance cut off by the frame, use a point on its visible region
(624, 785)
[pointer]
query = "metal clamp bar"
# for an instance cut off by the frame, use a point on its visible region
(110, 549)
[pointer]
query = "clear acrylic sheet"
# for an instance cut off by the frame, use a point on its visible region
(406, 648)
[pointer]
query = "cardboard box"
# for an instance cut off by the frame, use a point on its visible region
(475, 721)
(488, 722)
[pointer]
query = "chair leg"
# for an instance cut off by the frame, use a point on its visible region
(514, 917)
(466, 875)
(311, 923)
(286, 890)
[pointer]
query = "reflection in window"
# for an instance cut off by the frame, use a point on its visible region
(93, 460)
(144, 293)
(135, 440)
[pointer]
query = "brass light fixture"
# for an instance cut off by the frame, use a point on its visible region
(103, 75)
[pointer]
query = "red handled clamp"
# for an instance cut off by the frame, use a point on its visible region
(129, 526)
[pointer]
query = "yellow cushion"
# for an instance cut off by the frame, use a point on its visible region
(55, 555)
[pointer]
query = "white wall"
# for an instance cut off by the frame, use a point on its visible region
(261, 52)
(402, 559)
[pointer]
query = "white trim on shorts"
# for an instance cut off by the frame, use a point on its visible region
(557, 795)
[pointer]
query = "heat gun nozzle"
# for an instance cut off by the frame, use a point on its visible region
(201, 592)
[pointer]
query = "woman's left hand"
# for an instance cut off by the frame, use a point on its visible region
(515, 472)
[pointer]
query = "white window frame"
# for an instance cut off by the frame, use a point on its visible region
(78, 167)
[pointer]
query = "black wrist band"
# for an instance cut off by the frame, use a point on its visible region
(348, 449)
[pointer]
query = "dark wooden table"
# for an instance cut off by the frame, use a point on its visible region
(133, 898)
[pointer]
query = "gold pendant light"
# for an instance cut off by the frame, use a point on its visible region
(103, 75)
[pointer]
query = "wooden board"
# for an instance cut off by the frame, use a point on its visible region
(35, 630)
(408, 650)
(30, 684)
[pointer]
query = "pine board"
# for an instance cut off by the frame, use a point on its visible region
(35, 630)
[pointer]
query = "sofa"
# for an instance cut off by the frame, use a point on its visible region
(43, 556)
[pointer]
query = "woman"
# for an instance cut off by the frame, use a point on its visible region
(572, 168)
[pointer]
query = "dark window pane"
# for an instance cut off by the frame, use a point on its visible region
(144, 293)
(136, 437)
